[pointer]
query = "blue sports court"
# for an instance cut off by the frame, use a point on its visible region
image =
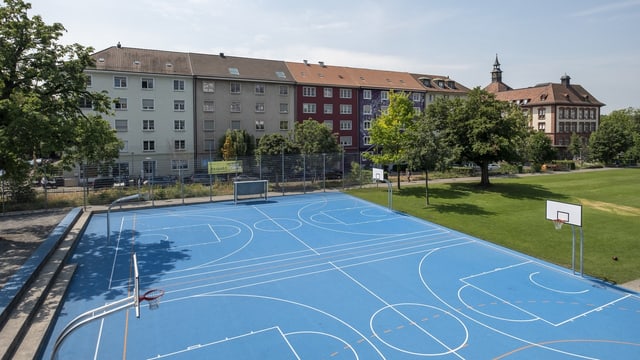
(329, 276)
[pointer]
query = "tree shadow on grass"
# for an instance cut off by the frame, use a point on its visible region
(457, 191)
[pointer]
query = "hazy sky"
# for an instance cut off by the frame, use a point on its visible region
(595, 42)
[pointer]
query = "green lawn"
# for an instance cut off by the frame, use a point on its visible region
(512, 213)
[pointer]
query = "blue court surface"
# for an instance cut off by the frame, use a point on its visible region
(330, 276)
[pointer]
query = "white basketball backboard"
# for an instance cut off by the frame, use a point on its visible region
(378, 174)
(569, 213)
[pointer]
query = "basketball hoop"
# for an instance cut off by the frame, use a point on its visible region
(153, 298)
(558, 223)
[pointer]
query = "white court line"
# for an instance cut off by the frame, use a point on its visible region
(464, 279)
(423, 330)
(286, 230)
(551, 289)
(599, 308)
(115, 255)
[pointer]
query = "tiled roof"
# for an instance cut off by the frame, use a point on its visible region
(450, 86)
(558, 94)
(495, 87)
(321, 74)
(230, 67)
(118, 58)
(381, 79)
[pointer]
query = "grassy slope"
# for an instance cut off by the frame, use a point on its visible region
(512, 213)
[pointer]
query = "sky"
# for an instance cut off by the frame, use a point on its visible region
(595, 42)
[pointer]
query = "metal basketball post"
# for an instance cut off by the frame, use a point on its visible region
(562, 213)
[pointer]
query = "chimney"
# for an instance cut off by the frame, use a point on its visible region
(565, 80)
(119, 46)
(305, 62)
(321, 63)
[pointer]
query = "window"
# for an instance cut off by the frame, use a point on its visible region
(178, 105)
(235, 107)
(328, 108)
(581, 114)
(366, 125)
(561, 113)
(147, 83)
(89, 80)
(179, 164)
(308, 91)
(148, 125)
(179, 145)
(561, 127)
(209, 144)
(328, 124)
(125, 146)
(284, 125)
(149, 166)
(208, 125)
(208, 106)
(573, 113)
(367, 140)
(260, 89)
(119, 82)
(85, 102)
(259, 107)
(235, 87)
(541, 126)
(384, 95)
(281, 74)
(179, 125)
(328, 92)
(147, 104)
(366, 94)
(208, 86)
(148, 145)
(178, 85)
(260, 125)
(122, 125)
(120, 104)
(580, 127)
(367, 110)
(541, 113)
(345, 93)
(345, 108)
(416, 97)
(345, 125)
(309, 108)
(284, 108)
(234, 71)
(235, 125)
(417, 110)
(284, 90)
(346, 141)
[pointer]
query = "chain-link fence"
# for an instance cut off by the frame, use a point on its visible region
(164, 177)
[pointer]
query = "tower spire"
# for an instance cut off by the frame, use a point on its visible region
(496, 74)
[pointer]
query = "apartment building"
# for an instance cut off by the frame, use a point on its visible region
(557, 109)
(241, 94)
(172, 109)
(152, 109)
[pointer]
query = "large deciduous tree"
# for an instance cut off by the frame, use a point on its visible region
(388, 131)
(616, 137)
(539, 149)
(42, 84)
(482, 129)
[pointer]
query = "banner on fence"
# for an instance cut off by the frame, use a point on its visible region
(225, 167)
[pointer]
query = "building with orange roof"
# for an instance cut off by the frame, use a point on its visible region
(557, 109)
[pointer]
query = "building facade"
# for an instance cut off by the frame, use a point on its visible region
(557, 109)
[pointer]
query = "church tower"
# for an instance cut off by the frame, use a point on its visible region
(496, 74)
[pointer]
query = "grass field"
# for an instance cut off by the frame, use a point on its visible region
(512, 213)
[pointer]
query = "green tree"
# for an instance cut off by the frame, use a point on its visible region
(424, 147)
(311, 137)
(236, 143)
(388, 131)
(539, 149)
(271, 151)
(483, 130)
(42, 84)
(615, 137)
(575, 146)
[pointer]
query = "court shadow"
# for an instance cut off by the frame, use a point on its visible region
(97, 271)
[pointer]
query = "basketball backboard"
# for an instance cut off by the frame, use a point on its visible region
(568, 213)
(378, 174)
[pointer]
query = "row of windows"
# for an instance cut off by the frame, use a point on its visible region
(122, 82)
(122, 104)
(579, 127)
(310, 108)
(236, 107)
(150, 145)
(310, 91)
(122, 125)
(575, 113)
(209, 125)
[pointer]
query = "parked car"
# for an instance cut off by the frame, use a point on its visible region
(160, 181)
(243, 178)
(333, 175)
(204, 179)
(103, 182)
(493, 166)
